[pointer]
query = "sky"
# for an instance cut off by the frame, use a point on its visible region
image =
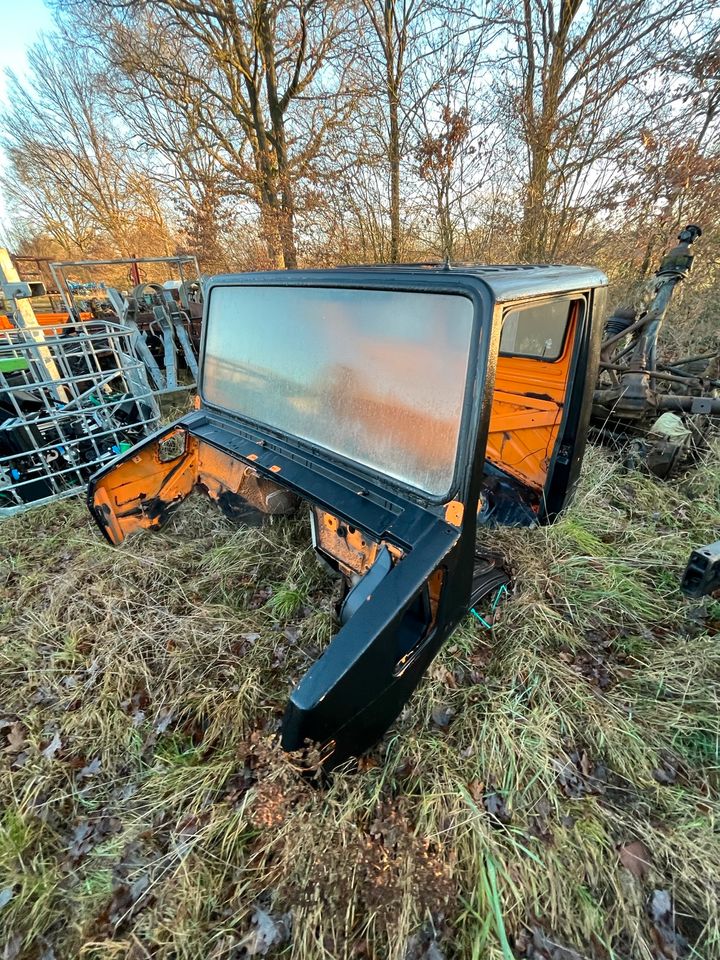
(22, 21)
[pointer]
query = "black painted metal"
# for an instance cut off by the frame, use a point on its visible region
(702, 574)
(355, 690)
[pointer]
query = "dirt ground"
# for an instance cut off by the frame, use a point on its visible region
(550, 792)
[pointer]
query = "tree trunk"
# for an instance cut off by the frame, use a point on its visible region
(287, 230)
(394, 159)
(534, 224)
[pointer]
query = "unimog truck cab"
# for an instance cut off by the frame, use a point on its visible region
(404, 407)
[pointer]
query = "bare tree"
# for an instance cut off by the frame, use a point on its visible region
(400, 33)
(259, 87)
(71, 170)
(573, 82)
(455, 135)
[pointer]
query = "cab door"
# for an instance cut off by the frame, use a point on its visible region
(532, 385)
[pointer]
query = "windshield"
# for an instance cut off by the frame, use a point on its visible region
(377, 376)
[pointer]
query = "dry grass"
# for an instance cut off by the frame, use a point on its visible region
(146, 811)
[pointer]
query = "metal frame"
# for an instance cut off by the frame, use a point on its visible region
(401, 611)
(49, 447)
(659, 411)
(59, 267)
(169, 319)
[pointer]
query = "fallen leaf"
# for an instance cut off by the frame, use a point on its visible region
(477, 790)
(636, 858)
(125, 900)
(442, 715)
(667, 772)
(539, 824)
(16, 737)
(187, 830)
(660, 906)
(495, 806)
(267, 932)
(670, 943)
(52, 748)
(548, 945)
(12, 947)
(578, 775)
(423, 946)
(434, 952)
(6, 896)
(164, 719)
(81, 840)
(137, 951)
(88, 834)
(91, 769)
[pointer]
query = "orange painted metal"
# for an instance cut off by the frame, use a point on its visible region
(454, 513)
(138, 492)
(44, 319)
(527, 410)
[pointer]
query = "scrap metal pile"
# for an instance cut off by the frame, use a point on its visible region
(69, 403)
(78, 387)
(660, 412)
(164, 317)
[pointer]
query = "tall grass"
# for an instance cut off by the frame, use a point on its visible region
(168, 824)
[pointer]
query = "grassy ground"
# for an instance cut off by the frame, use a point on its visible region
(550, 792)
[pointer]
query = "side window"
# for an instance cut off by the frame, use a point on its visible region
(536, 330)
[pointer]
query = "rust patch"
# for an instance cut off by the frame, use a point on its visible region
(454, 513)
(353, 551)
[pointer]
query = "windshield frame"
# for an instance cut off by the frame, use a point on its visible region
(480, 337)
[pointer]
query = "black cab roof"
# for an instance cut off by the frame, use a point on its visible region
(505, 281)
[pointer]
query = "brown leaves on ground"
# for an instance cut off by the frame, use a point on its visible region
(88, 834)
(579, 775)
(131, 891)
(16, 733)
(591, 665)
(667, 770)
(636, 858)
(536, 943)
(442, 715)
(496, 807)
(52, 747)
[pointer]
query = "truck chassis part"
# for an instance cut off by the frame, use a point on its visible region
(660, 412)
(702, 574)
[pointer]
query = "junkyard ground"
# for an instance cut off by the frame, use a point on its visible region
(551, 791)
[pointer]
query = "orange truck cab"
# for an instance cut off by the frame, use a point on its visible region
(404, 406)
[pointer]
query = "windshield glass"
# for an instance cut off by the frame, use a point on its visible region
(377, 376)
